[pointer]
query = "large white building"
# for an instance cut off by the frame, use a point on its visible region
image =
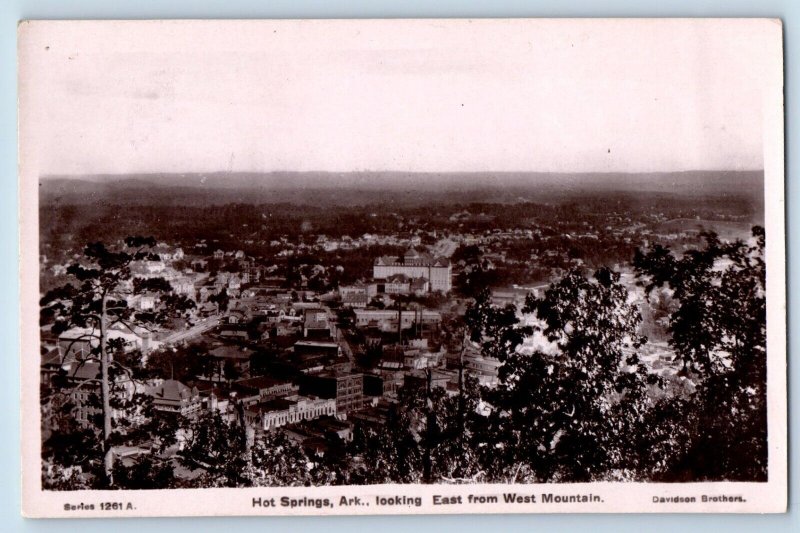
(279, 412)
(437, 270)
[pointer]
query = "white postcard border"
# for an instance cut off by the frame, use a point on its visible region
(768, 497)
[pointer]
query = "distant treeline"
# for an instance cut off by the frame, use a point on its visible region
(247, 226)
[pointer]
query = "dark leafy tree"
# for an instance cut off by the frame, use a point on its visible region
(277, 461)
(71, 461)
(183, 363)
(293, 278)
(217, 448)
(145, 472)
(496, 329)
(428, 438)
(719, 335)
(461, 435)
(593, 389)
(103, 281)
(475, 278)
(470, 254)
(570, 409)
(377, 303)
(222, 299)
(334, 466)
(393, 453)
(230, 370)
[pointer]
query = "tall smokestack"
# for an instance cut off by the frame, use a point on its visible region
(399, 323)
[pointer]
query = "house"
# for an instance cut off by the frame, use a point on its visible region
(168, 253)
(316, 324)
(358, 288)
(76, 344)
(402, 284)
(385, 381)
(355, 295)
(222, 280)
(355, 300)
(286, 328)
(184, 285)
(207, 309)
(374, 416)
(314, 356)
(206, 291)
(408, 356)
(234, 331)
(316, 435)
(281, 315)
(238, 355)
(396, 284)
(171, 397)
(148, 301)
(82, 381)
(234, 284)
(79, 343)
(237, 316)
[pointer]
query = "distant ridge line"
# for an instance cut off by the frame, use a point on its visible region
(361, 188)
(295, 179)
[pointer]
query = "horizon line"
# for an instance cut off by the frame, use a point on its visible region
(234, 172)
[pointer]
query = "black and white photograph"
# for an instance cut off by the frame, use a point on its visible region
(402, 266)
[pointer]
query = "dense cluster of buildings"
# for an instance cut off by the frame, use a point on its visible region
(343, 355)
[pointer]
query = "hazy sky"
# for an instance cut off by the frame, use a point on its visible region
(414, 96)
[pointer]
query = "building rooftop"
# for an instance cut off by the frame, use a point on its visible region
(84, 370)
(51, 357)
(230, 352)
(269, 406)
(413, 258)
(316, 344)
(355, 298)
(261, 382)
(334, 374)
(172, 390)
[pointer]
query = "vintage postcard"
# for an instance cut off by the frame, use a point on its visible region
(402, 266)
